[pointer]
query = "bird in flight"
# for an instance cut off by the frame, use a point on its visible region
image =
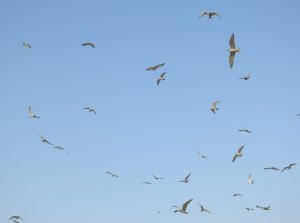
(153, 68)
(232, 50)
(209, 14)
(235, 195)
(27, 45)
(201, 155)
(45, 140)
(161, 78)
(250, 180)
(60, 148)
(157, 178)
(244, 130)
(249, 209)
(204, 209)
(271, 168)
(31, 114)
(288, 167)
(297, 115)
(90, 110)
(184, 207)
(214, 107)
(112, 174)
(89, 44)
(146, 182)
(186, 179)
(238, 153)
(264, 208)
(247, 77)
(15, 217)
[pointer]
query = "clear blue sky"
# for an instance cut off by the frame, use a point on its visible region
(142, 129)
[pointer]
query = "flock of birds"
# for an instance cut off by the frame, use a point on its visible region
(214, 107)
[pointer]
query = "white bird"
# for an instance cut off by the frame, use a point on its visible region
(31, 114)
(214, 107)
(204, 209)
(209, 14)
(27, 45)
(232, 50)
(247, 77)
(184, 207)
(288, 167)
(15, 217)
(201, 155)
(45, 140)
(239, 153)
(186, 179)
(161, 78)
(89, 44)
(90, 110)
(153, 68)
(250, 180)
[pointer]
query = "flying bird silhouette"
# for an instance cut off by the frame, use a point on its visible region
(112, 174)
(146, 182)
(247, 77)
(157, 178)
(27, 45)
(45, 140)
(161, 78)
(232, 50)
(15, 217)
(31, 114)
(238, 153)
(209, 14)
(153, 68)
(250, 180)
(235, 195)
(249, 209)
(184, 207)
(60, 148)
(186, 179)
(204, 209)
(264, 208)
(271, 168)
(214, 107)
(89, 44)
(244, 130)
(298, 114)
(90, 110)
(201, 155)
(288, 167)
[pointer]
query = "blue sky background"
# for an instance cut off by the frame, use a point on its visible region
(141, 129)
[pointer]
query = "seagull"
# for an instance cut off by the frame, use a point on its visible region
(209, 14)
(153, 68)
(201, 155)
(157, 178)
(235, 195)
(246, 77)
(112, 174)
(204, 209)
(298, 114)
(264, 208)
(90, 110)
(271, 168)
(89, 44)
(146, 182)
(288, 167)
(45, 140)
(27, 45)
(15, 217)
(213, 107)
(31, 114)
(249, 209)
(161, 78)
(60, 148)
(244, 130)
(238, 153)
(232, 50)
(184, 206)
(186, 179)
(250, 180)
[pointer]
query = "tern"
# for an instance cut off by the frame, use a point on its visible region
(45, 140)
(235, 195)
(249, 209)
(15, 217)
(27, 45)
(60, 148)
(153, 68)
(161, 78)
(264, 208)
(244, 130)
(157, 178)
(184, 207)
(288, 167)
(201, 155)
(112, 174)
(90, 110)
(204, 209)
(271, 168)
(250, 180)
(146, 182)
(238, 153)
(232, 50)
(209, 14)
(31, 114)
(89, 44)
(214, 107)
(186, 179)
(247, 77)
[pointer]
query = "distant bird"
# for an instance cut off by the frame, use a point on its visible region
(161, 78)
(247, 77)
(238, 153)
(31, 114)
(249, 209)
(157, 178)
(264, 208)
(158, 212)
(112, 174)
(214, 107)
(235, 195)
(27, 45)
(250, 180)
(298, 114)
(45, 140)
(90, 110)
(186, 179)
(15, 221)
(153, 68)
(271, 168)
(244, 130)
(184, 207)
(146, 182)
(232, 50)
(89, 44)
(209, 14)
(204, 209)
(288, 167)
(15, 217)
(60, 148)
(201, 155)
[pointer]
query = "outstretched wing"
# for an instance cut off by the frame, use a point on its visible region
(234, 158)
(184, 206)
(216, 14)
(231, 59)
(240, 149)
(231, 41)
(150, 68)
(163, 74)
(187, 177)
(203, 14)
(159, 65)
(30, 111)
(158, 81)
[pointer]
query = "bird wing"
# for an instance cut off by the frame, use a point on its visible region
(30, 111)
(163, 74)
(216, 14)
(231, 59)
(234, 158)
(231, 41)
(187, 177)
(42, 138)
(240, 149)
(203, 14)
(292, 164)
(159, 65)
(184, 206)
(93, 110)
(285, 168)
(158, 81)
(150, 68)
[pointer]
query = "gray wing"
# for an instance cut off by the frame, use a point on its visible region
(158, 81)
(30, 111)
(231, 41)
(184, 206)
(160, 65)
(216, 14)
(234, 158)
(150, 68)
(231, 59)
(163, 74)
(187, 177)
(203, 14)
(240, 149)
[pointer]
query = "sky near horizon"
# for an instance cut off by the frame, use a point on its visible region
(142, 129)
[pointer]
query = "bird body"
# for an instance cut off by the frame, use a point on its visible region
(161, 78)
(204, 209)
(288, 167)
(264, 208)
(209, 14)
(153, 68)
(214, 107)
(239, 153)
(232, 50)
(90, 110)
(184, 207)
(31, 114)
